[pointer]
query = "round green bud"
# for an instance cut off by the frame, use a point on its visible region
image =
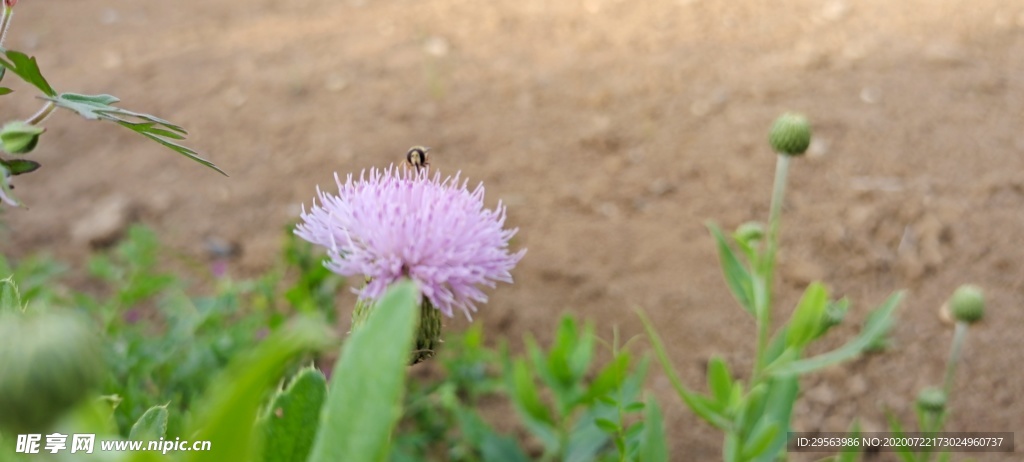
(931, 399)
(968, 304)
(790, 135)
(51, 362)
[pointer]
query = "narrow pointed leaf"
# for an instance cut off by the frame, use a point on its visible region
(653, 447)
(880, 323)
(151, 426)
(737, 277)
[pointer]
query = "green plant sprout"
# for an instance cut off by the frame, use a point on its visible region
(965, 307)
(20, 137)
(756, 417)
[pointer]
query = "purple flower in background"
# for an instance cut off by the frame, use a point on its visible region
(396, 223)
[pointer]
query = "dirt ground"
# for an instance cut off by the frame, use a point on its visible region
(613, 130)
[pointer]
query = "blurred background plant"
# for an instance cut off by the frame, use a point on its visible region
(756, 416)
(161, 345)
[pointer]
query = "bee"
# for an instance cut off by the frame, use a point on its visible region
(418, 158)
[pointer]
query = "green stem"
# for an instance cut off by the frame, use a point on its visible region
(767, 264)
(959, 336)
(43, 113)
(5, 22)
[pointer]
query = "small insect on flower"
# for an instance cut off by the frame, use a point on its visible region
(418, 157)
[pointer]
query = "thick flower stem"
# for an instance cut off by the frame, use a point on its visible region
(766, 272)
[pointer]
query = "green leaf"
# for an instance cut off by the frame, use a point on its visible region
(292, 418)
(719, 381)
(226, 413)
(736, 275)
(609, 379)
(99, 107)
(896, 429)
(5, 91)
(365, 399)
(492, 446)
(700, 405)
(758, 442)
(805, 323)
(10, 298)
(878, 324)
(778, 409)
(25, 66)
(151, 426)
(525, 393)
(20, 166)
(653, 447)
(607, 426)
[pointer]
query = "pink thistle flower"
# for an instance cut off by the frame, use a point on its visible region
(399, 223)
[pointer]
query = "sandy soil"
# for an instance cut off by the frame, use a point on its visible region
(613, 130)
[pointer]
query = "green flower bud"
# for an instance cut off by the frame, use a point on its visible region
(749, 233)
(931, 399)
(968, 304)
(19, 137)
(50, 363)
(790, 135)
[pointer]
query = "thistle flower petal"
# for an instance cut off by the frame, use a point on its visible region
(392, 223)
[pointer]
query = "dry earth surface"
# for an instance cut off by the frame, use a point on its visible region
(613, 130)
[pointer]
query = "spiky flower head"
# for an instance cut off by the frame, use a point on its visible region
(968, 303)
(931, 399)
(790, 135)
(395, 222)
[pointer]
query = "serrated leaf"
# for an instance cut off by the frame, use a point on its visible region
(737, 277)
(365, 399)
(99, 107)
(879, 322)
(151, 426)
(25, 66)
(293, 417)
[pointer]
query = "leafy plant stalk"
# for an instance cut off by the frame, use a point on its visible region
(767, 269)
